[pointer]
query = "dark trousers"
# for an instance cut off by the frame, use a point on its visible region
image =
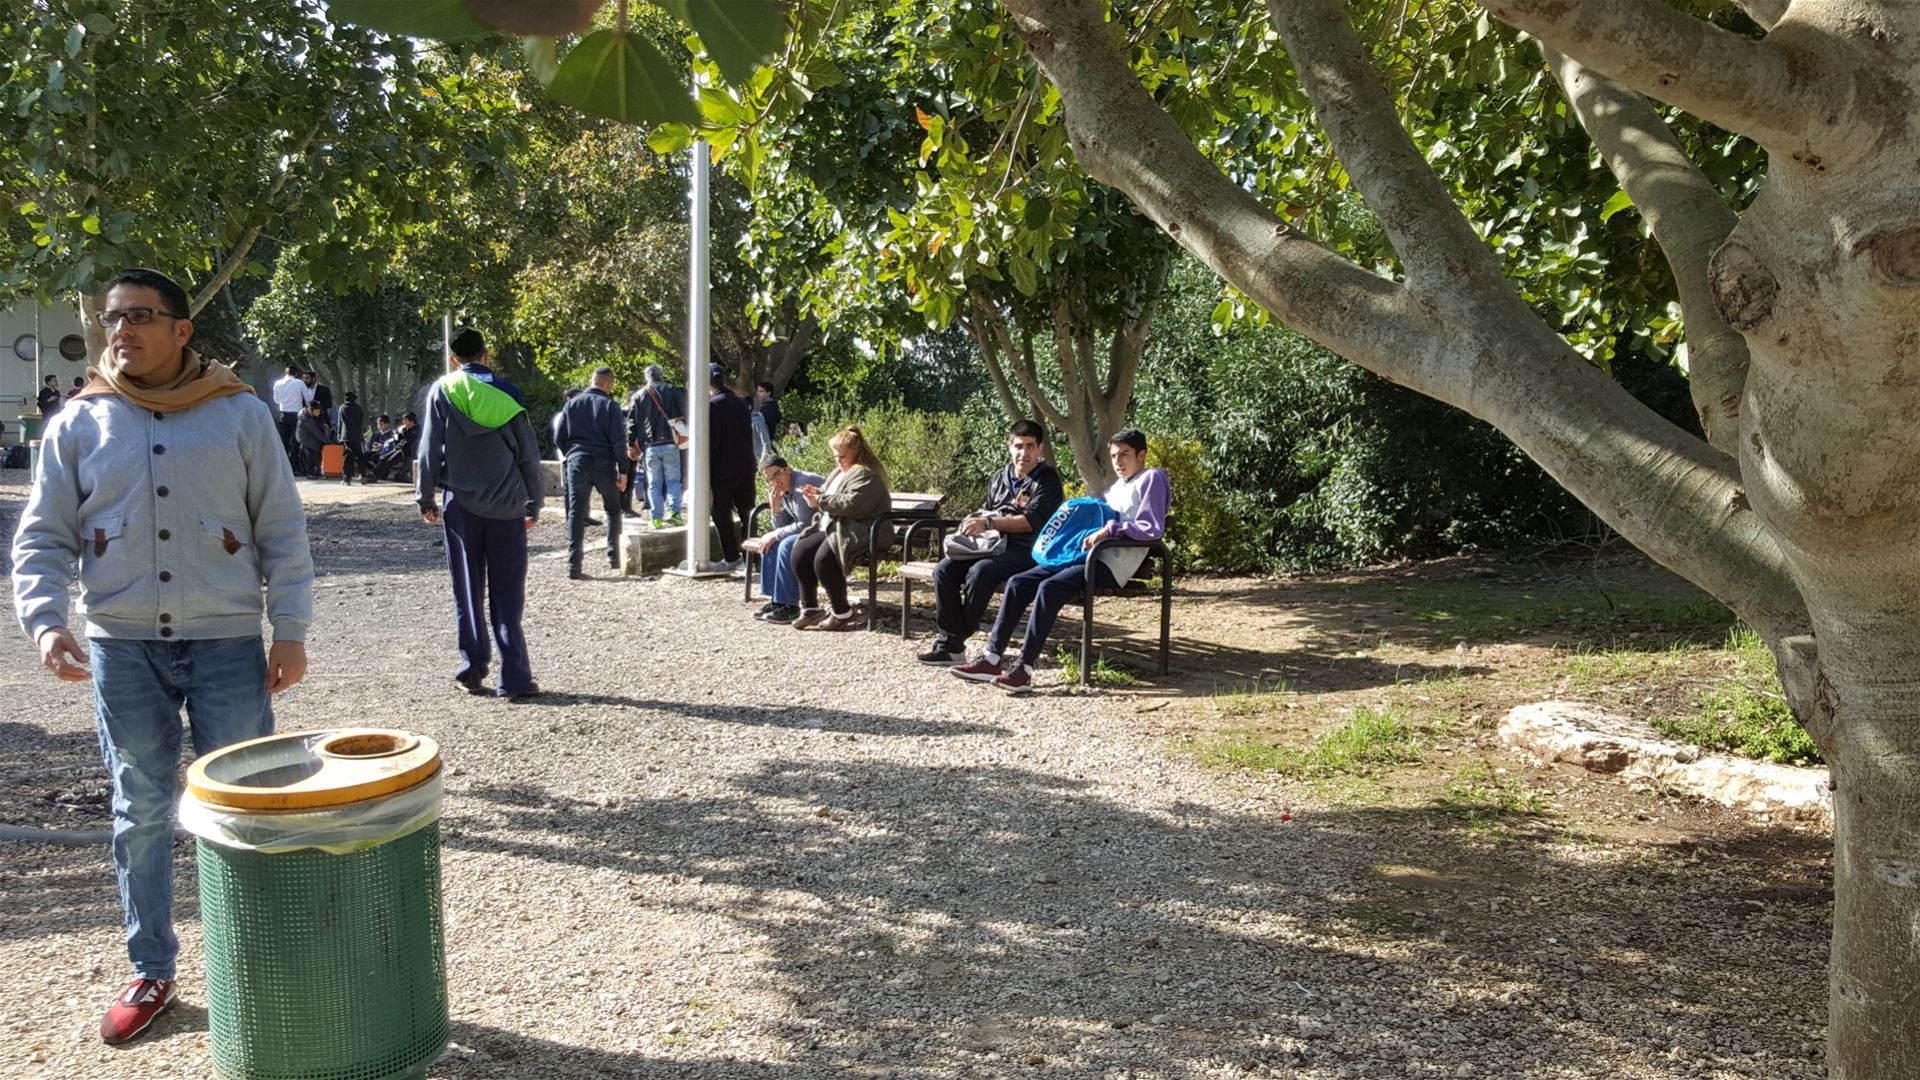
(586, 475)
(350, 462)
(488, 560)
(734, 498)
(1048, 590)
(964, 589)
(814, 566)
(289, 423)
(629, 469)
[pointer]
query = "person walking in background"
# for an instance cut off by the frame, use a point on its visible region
(48, 401)
(852, 501)
(591, 436)
(730, 467)
(767, 404)
(79, 384)
(553, 422)
(791, 513)
(353, 433)
(1138, 501)
(312, 435)
(650, 433)
(480, 476)
(1020, 499)
(161, 482)
(290, 399)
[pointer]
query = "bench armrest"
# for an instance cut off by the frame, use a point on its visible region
(1156, 549)
(938, 528)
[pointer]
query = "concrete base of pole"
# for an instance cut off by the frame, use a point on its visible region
(646, 551)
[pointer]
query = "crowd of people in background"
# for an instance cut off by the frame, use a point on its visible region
(309, 424)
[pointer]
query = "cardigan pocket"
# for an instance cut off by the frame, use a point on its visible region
(98, 533)
(228, 554)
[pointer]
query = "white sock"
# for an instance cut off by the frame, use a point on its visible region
(990, 657)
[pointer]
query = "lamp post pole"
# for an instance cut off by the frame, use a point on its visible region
(698, 491)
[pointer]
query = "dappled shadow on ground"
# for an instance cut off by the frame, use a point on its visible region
(803, 717)
(905, 919)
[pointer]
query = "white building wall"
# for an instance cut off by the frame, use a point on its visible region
(18, 383)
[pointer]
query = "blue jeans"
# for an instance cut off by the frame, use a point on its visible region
(585, 476)
(777, 582)
(139, 688)
(663, 480)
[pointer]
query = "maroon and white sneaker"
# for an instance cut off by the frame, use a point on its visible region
(1017, 681)
(134, 1010)
(980, 670)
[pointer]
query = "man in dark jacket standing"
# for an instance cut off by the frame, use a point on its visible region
(730, 466)
(477, 446)
(353, 434)
(590, 434)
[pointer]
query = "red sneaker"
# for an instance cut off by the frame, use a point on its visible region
(980, 670)
(1017, 681)
(135, 1008)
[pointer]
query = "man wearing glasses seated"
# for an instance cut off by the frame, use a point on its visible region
(165, 483)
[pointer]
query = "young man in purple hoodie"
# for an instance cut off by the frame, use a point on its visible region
(1139, 500)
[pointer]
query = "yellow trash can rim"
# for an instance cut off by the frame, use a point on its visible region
(313, 770)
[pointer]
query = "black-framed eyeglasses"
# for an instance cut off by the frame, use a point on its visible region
(138, 316)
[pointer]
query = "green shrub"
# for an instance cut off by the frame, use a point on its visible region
(920, 451)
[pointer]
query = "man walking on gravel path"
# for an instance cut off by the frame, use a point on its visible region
(478, 447)
(591, 435)
(166, 482)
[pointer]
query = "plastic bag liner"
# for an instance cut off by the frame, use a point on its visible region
(338, 830)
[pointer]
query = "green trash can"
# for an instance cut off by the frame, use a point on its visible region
(319, 856)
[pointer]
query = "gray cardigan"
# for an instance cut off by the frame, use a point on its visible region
(175, 521)
(794, 512)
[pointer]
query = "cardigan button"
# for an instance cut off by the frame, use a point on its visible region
(166, 576)
(161, 491)
(158, 449)
(165, 535)
(166, 631)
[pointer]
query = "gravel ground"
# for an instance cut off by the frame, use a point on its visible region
(723, 849)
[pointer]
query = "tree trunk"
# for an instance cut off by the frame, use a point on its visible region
(1813, 534)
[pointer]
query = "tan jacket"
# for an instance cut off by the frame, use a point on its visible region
(851, 502)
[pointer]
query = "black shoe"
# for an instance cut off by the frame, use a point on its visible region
(595, 522)
(576, 573)
(532, 691)
(943, 657)
(784, 613)
(473, 685)
(766, 609)
(613, 561)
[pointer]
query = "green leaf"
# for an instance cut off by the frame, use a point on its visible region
(91, 223)
(1222, 316)
(75, 35)
(445, 20)
(666, 139)
(1026, 276)
(738, 34)
(542, 57)
(623, 77)
(98, 23)
(1619, 202)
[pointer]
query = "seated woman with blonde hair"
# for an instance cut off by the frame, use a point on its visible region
(852, 500)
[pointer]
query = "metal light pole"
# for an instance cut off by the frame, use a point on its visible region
(698, 491)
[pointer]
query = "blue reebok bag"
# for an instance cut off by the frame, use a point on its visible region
(1058, 544)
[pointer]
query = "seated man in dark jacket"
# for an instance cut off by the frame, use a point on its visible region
(1020, 499)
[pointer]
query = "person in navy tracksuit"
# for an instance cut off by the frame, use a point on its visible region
(477, 447)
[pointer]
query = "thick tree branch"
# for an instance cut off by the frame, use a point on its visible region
(238, 256)
(1785, 99)
(1766, 13)
(977, 321)
(1021, 361)
(1479, 349)
(1436, 244)
(1130, 343)
(1689, 220)
(1124, 139)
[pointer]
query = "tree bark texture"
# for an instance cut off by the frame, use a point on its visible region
(1807, 524)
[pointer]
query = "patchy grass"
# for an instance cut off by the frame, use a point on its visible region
(1369, 738)
(1747, 713)
(1590, 669)
(1484, 611)
(1104, 673)
(1250, 699)
(1484, 796)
